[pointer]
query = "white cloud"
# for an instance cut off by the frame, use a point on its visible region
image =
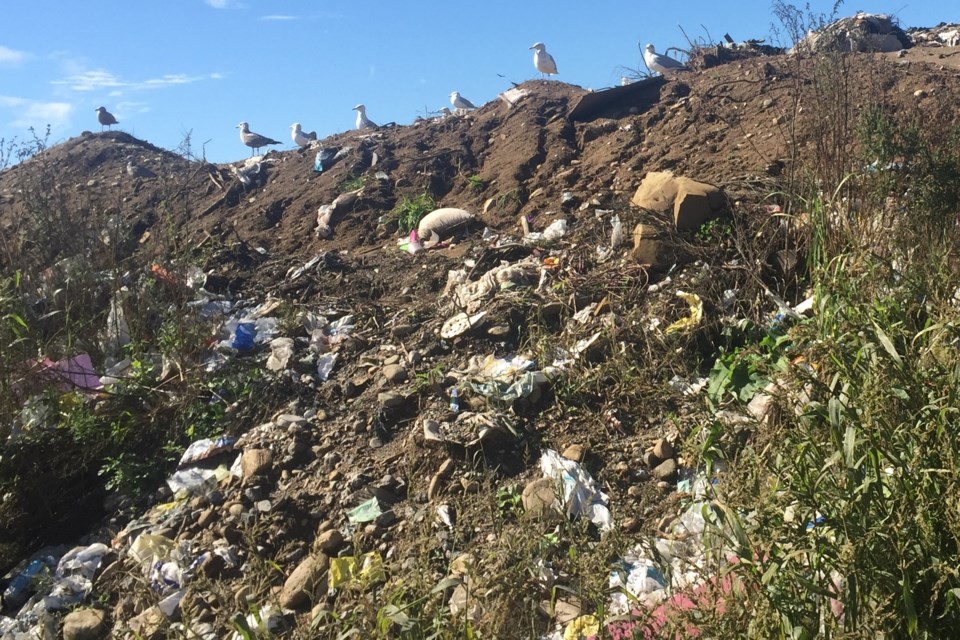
(97, 79)
(11, 57)
(218, 4)
(37, 114)
(131, 107)
(277, 18)
(216, 76)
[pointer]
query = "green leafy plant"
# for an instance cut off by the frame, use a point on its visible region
(409, 211)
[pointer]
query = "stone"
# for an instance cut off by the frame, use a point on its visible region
(663, 449)
(437, 483)
(256, 462)
(390, 399)
(212, 566)
(632, 525)
(666, 470)
(634, 492)
(470, 486)
(286, 419)
(329, 541)
(241, 597)
(395, 373)
(538, 497)
(394, 359)
(650, 459)
(206, 518)
(431, 433)
(84, 624)
(575, 452)
(447, 467)
(499, 331)
(302, 584)
(375, 442)
(236, 509)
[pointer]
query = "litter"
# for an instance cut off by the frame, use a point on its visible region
(71, 373)
(281, 350)
(581, 494)
(365, 512)
(366, 571)
(553, 233)
(696, 314)
(259, 624)
(472, 296)
(206, 448)
(460, 324)
(325, 364)
(243, 338)
(442, 221)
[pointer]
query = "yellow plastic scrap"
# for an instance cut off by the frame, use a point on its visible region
(363, 573)
(582, 627)
(692, 320)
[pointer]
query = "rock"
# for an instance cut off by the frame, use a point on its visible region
(149, 624)
(634, 492)
(375, 442)
(212, 566)
(656, 192)
(919, 93)
(499, 331)
(470, 486)
(663, 449)
(632, 525)
(402, 330)
(256, 462)
(84, 624)
(437, 483)
(666, 470)
(650, 459)
(538, 497)
(300, 588)
(390, 399)
(395, 373)
(241, 597)
(394, 359)
(431, 432)
(287, 419)
(575, 452)
(206, 518)
(447, 467)
(235, 509)
(329, 541)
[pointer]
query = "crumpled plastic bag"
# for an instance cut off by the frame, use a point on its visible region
(581, 493)
(363, 571)
(692, 320)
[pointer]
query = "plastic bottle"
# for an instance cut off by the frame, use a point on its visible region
(454, 400)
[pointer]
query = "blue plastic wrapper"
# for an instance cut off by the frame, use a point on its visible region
(243, 338)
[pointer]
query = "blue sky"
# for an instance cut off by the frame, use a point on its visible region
(166, 67)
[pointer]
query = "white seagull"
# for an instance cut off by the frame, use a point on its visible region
(105, 118)
(662, 64)
(444, 112)
(253, 140)
(300, 137)
(363, 122)
(460, 103)
(542, 60)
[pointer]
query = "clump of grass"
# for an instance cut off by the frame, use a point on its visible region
(352, 182)
(409, 211)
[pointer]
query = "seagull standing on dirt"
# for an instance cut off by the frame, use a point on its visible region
(444, 112)
(300, 137)
(105, 118)
(662, 64)
(363, 122)
(135, 170)
(542, 60)
(461, 104)
(253, 140)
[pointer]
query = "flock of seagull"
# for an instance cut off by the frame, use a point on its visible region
(542, 61)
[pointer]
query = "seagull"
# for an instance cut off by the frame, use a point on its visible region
(135, 170)
(105, 118)
(300, 137)
(253, 140)
(542, 60)
(460, 103)
(363, 122)
(444, 112)
(662, 64)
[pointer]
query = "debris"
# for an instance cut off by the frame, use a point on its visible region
(696, 314)
(551, 235)
(442, 221)
(581, 494)
(692, 202)
(365, 512)
(351, 571)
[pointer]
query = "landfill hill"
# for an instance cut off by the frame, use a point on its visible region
(314, 451)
